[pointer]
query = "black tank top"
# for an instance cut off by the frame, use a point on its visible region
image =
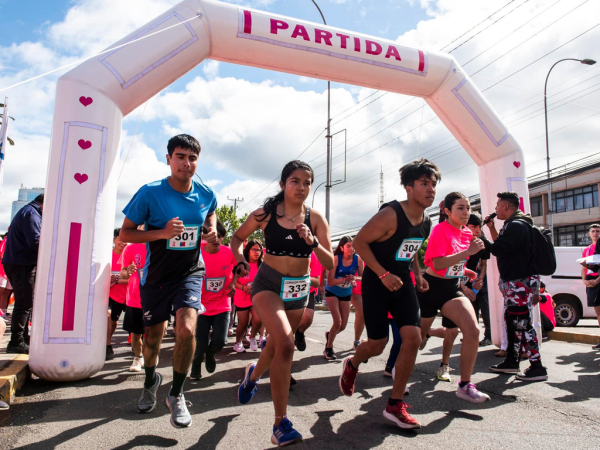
(397, 253)
(281, 241)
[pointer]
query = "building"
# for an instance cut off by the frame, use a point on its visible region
(25, 196)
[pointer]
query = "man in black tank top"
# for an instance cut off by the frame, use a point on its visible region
(389, 244)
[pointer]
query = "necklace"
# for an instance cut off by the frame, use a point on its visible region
(293, 219)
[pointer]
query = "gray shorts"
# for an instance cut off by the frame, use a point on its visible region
(268, 279)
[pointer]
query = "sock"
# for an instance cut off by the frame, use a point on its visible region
(443, 364)
(178, 379)
(150, 376)
(351, 366)
(462, 384)
(427, 336)
(394, 402)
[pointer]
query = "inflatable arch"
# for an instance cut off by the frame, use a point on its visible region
(69, 330)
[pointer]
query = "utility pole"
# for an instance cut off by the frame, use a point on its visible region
(235, 203)
(381, 194)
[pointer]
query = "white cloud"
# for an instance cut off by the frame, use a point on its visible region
(210, 69)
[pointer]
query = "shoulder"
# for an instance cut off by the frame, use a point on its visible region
(467, 232)
(203, 189)
(258, 213)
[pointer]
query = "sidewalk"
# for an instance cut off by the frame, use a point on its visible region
(586, 332)
(14, 371)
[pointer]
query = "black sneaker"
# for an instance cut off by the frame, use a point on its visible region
(109, 352)
(196, 372)
(300, 341)
(485, 342)
(534, 373)
(596, 347)
(210, 363)
(21, 347)
(329, 355)
(506, 366)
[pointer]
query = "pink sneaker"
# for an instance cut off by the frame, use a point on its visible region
(471, 394)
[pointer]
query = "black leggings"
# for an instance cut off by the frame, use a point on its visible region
(220, 326)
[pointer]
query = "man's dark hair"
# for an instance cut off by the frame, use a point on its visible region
(542, 284)
(594, 225)
(39, 199)
(221, 231)
(475, 219)
(116, 233)
(184, 141)
(511, 197)
(415, 170)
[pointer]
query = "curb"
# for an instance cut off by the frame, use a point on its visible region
(571, 336)
(13, 377)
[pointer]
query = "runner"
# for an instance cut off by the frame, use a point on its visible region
(253, 253)
(450, 245)
(388, 244)
(281, 288)
(133, 261)
(173, 210)
(338, 291)
(216, 289)
(117, 293)
(316, 283)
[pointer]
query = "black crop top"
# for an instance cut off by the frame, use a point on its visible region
(281, 241)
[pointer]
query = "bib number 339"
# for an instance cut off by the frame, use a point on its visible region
(294, 288)
(457, 270)
(408, 249)
(188, 240)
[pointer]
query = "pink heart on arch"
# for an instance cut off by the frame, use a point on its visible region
(517, 164)
(84, 144)
(81, 177)
(85, 101)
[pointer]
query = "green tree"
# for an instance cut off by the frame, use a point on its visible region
(421, 254)
(226, 215)
(10, 141)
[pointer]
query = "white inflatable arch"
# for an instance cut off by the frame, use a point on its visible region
(73, 276)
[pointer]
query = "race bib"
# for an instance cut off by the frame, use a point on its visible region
(346, 284)
(115, 272)
(409, 248)
(188, 240)
(465, 280)
(214, 284)
(457, 270)
(294, 288)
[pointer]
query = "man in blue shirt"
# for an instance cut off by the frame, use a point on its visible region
(173, 210)
(20, 262)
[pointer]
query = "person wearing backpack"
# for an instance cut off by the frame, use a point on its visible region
(520, 249)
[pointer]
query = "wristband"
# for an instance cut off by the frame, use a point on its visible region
(236, 268)
(384, 275)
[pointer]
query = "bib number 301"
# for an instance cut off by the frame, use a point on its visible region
(409, 248)
(188, 240)
(294, 288)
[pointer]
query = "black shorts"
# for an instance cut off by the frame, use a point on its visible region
(441, 291)
(245, 308)
(593, 297)
(311, 301)
(134, 320)
(347, 298)
(159, 301)
(116, 309)
(403, 305)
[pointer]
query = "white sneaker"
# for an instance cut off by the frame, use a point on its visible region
(471, 394)
(239, 347)
(443, 373)
(253, 345)
(137, 365)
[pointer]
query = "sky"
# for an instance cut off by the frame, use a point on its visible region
(250, 121)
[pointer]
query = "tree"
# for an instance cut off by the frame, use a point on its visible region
(10, 141)
(226, 215)
(421, 254)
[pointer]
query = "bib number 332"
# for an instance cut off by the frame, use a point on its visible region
(294, 288)
(188, 240)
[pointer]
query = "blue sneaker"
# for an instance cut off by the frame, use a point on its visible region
(284, 434)
(247, 388)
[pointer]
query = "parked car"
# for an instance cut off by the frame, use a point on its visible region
(567, 288)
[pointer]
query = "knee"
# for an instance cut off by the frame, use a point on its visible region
(470, 331)
(412, 343)
(285, 349)
(377, 347)
(452, 333)
(337, 324)
(185, 332)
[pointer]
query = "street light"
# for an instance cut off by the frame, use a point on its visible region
(315, 192)
(587, 62)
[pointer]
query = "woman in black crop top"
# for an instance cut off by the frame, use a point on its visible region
(281, 287)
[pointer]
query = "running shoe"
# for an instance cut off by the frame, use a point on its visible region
(4, 406)
(109, 352)
(347, 378)
(423, 342)
(180, 416)
(471, 394)
(533, 373)
(230, 332)
(248, 387)
(443, 373)
(253, 345)
(485, 342)
(356, 344)
(239, 347)
(400, 416)
(263, 343)
(196, 372)
(596, 347)
(147, 401)
(284, 434)
(210, 363)
(21, 348)
(387, 372)
(506, 366)
(137, 365)
(329, 355)
(300, 341)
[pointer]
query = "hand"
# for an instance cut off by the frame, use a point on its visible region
(304, 233)
(247, 289)
(536, 299)
(230, 289)
(174, 227)
(392, 282)
(349, 277)
(114, 279)
(131, 269)
(475, 247)
(587, 283)
(211, 237)
(478, 284)
(242, 269)
(422, 284)
(469, 293)
(490, 223)
(595, 282)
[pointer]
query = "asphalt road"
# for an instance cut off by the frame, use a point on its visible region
(100, 413)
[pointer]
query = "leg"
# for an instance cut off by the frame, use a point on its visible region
(203, 324)
(136, 344)
(368, 349)
(242, 326)
(460, 311)
(22, 278)
(426, 326)
(220, 325)
(530, 340)
(437, 332)
(153, 337)
(449, 339)
(484, 304)
(345, 314)
(411, 339)
(395, 350)
(307, 320)
(3, 302)
(334, 308)
(256, 324)
(597, 310)
(185, 343)
(359, 318)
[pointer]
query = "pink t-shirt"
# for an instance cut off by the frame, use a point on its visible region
(118, 292)
(315, 269)
(547, 307)
(2, 247)
(134, 253)
(445, 240)
(589, 251)
(241, 299)
(218, 275)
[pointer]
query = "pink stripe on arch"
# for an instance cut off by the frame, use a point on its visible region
(421, 61)
(247, 22)
(68, 322)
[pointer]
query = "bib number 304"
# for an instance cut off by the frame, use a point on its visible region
(409, 248)
(294, 288)
(188, 240)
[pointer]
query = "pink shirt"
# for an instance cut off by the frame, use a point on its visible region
(2, 247)
(241, 299)
(315, 269)
(547, 308)
(218, 275)
(588, 251)
(134, 253)
(445, 240)
(118, 292)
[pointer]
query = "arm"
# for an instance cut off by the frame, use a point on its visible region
(130, 233)
(584, 277)
(243, 233)
(331, 280)
(210, 223)
(493, 232)
(502, 245)
(422, 284)
(478, 283)
(32, 231)
(443, 262)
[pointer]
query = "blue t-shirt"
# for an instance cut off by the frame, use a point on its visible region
(340, 272)
(154, 205)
